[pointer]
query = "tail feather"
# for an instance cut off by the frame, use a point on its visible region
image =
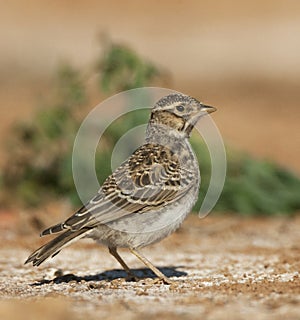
(53, 229)
(54, 246)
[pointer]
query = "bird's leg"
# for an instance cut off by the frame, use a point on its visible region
(114, 253)
(147, 263)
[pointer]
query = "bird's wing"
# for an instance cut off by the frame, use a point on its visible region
(153, 176)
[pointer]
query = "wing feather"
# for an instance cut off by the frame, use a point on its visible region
(151, 177)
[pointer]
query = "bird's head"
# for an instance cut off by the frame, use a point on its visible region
(179, 112)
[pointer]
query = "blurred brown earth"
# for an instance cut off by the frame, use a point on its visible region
(242, 57)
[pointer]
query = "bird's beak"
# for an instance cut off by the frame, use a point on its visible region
(207, 109)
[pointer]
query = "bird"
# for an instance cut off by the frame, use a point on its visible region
(147, 197)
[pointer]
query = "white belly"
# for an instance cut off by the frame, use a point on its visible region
(141, 229)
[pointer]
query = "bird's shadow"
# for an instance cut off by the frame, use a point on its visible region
(110, 275)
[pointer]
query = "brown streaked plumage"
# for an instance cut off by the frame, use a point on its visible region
(148, 196)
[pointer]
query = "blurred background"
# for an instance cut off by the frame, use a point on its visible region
(60, 58)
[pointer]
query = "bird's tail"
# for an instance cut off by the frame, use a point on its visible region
(54, 246)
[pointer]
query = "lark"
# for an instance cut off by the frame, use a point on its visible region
(148, 196)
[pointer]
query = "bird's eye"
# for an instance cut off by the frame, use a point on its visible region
(180, 108)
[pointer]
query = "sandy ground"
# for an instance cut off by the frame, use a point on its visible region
(221, 267)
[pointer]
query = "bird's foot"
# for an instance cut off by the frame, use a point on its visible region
(164, 280)
(132, 278)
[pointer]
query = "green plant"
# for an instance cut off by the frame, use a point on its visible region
(39, 166)
(122, 69)
(260, 187)
(252, 186)
(40, 150)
